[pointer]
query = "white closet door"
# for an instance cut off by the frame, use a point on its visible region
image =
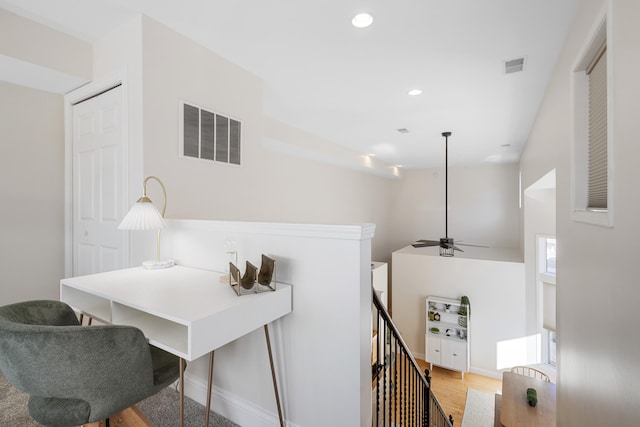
(98, 184)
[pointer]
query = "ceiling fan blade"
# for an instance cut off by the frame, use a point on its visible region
(475, 246)
(425, 243)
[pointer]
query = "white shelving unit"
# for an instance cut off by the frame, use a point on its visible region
(447, 334)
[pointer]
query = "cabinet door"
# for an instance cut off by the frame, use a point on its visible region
(454, 354)
(433, 350)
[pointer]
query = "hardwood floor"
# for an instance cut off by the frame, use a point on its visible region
(130, 417)
(451, 390)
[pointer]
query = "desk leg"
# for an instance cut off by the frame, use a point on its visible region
(206, 415)
(181, 392)
(273, 375)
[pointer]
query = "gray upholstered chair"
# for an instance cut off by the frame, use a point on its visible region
(78, 374)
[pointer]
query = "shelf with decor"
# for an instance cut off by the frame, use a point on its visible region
(447, 333)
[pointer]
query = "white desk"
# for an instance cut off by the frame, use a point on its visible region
(186, 311)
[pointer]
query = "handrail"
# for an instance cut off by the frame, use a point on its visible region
(403, 395)
(387, 318)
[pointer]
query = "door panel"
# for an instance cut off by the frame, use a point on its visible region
(98, 184)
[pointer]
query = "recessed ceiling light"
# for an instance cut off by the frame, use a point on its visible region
(414, 92)
(371, 154)
(362, 20)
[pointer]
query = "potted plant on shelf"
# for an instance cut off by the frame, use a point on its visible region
(465, 306)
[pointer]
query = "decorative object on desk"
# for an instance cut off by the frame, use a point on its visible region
(143, 215)
(252, 279)
(465, 306)
(267, 272)
(247, 281)
(532, 397)
(232, 257)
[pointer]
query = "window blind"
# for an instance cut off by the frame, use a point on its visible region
(597, 155)
(549, 306)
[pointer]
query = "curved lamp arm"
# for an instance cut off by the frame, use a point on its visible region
(144, 192)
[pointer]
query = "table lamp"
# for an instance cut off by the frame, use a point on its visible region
(143, 215)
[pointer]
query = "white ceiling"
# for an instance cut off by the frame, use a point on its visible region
(350, 85)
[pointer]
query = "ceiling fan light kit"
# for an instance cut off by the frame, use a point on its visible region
(447, 247)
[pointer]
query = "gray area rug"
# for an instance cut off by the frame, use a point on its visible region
(161, 409)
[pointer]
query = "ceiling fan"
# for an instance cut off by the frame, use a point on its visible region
(447, 246)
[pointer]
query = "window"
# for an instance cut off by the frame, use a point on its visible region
(547, 289)
(550, 256)
(209, 136)
(592, 142)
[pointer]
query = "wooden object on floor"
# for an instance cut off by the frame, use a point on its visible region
(515, 409)
(497, 410)
(451, 390)
(130, 417)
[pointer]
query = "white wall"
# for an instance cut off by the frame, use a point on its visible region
(270, 185)
(29, 42)
(495, 287)
(597, 279)
(483, 205)
(539, 220)
(322, 349)
(32, 189)
(32, 153)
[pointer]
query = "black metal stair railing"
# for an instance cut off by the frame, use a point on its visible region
(401, 394)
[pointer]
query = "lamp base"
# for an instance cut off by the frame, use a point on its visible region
(157, 265)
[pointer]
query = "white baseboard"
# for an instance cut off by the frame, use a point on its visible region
(230, 406)
(484, 372)
(487, 373)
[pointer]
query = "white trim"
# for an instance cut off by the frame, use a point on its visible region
(91, 89)
(329, 231)
(230, 406)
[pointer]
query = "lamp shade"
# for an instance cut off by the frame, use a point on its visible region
(143, 215)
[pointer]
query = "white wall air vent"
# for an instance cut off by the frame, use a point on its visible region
(513, 65)
(403, 130)
(209, 136)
